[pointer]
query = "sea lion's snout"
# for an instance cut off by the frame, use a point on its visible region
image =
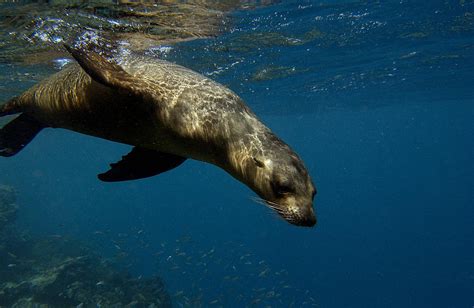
(304, 217)
(299, 214)
(309, 221)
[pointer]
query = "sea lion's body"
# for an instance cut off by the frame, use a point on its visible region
(71, 99)
(158, 106)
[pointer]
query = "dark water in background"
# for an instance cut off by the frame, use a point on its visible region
(377, 98)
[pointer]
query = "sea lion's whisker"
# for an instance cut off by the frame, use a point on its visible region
(259, 201)
(280, 217)
(269, 204)
(272, 203)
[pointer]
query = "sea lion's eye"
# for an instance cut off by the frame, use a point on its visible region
(258, 162)
(282, 189)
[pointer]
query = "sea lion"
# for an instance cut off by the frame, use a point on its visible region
(168, 113)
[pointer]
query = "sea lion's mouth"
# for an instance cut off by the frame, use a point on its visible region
(302, 217)
(304, 221)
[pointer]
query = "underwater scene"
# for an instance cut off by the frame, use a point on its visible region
(237, 153)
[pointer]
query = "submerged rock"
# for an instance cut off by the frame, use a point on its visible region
(86, 281)
(59, 272)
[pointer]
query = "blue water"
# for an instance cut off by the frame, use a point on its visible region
(380, 106)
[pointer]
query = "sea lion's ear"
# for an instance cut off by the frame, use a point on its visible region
(104, 71)
(258, 162)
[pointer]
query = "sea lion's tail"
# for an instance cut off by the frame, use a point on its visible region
(16, 134)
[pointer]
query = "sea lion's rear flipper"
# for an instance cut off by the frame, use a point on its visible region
(141, 163)
(11, 107)
(17, 134)
(104, 71)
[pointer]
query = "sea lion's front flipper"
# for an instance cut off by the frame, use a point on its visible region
(105, 71)
(141, 163)
(17, 134)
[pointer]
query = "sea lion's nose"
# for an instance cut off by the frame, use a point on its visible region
(309, 221)
(306, 217)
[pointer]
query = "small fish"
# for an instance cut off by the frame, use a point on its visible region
(186, 238)
(11, 265)
(140, 232)
(264, 272)
(122, 254)
(169, 258)
(100, 283)
(118, 247)
(214, 302)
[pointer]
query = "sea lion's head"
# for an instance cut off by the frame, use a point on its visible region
(285, 186)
